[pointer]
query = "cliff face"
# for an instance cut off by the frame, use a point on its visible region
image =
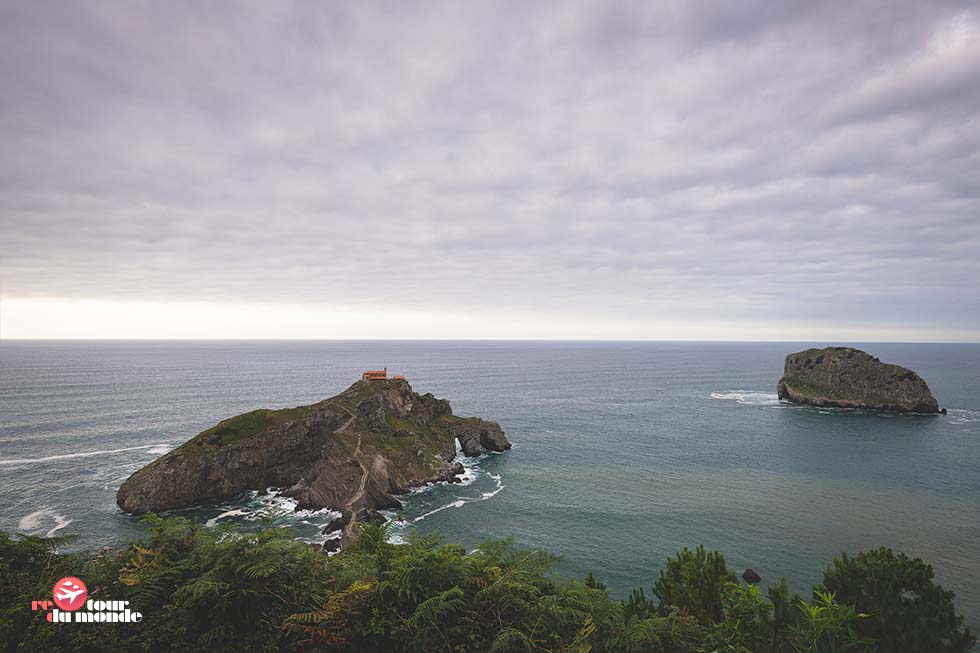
(352, 452)
(843, 377)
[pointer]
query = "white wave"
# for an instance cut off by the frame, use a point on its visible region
(32, 521)
(960, 416)
(276, 502)
(326, 513)
(397, 525)
(468, 476)
(60, 522)
(255, 504)
(397, 538)
(748, 397)
(66, 456)
(271, 499)
(459, 503)
(35, 521)
(500, 486)
(160, 449)
(487, 495)
(470, 467)
(227, 513)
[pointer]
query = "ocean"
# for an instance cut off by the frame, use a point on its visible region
(623, 452)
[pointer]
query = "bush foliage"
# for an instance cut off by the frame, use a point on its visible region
(220, 589)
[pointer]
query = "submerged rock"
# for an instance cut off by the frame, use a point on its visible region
(844, 377)
(750, 575)
(348, 453)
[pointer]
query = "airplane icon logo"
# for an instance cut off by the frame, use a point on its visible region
(69, 594)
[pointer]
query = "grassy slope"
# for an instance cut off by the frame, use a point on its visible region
(247, 425)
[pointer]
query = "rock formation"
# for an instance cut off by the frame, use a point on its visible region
(353, 453)
(750, 575)
(843, 377)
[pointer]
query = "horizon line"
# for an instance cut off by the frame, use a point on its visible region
(610, 340)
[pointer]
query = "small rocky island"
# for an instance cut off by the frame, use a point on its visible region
(844, 377)
(352, 453)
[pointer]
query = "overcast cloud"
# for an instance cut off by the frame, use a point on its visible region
(714, 163)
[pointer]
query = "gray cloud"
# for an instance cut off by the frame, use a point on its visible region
(811, 162)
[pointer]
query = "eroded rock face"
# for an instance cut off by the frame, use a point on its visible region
(474, 434)
(844, 377)
(353, 453)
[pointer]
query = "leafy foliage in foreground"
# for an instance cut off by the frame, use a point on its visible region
(219, 589)
(907, 611)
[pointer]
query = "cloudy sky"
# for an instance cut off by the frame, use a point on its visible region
(689, 170)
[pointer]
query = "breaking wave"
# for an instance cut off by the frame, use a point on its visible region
(460, 502)
(250, 508)
(472, 475)
(748, 397)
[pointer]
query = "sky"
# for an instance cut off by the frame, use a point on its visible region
(574, 170)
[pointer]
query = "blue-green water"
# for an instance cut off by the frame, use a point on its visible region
(623, 452)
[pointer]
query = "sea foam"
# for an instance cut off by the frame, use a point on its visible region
(472, 473)
(154, 448)
(227, 513)
(35, 522)
(748, 397)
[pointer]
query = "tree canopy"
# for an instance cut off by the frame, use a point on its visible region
(907, 611)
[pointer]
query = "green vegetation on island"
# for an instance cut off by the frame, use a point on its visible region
(249, 425)
(222, 589)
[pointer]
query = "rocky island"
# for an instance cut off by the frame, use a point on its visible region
(844, 377)
(352, 453)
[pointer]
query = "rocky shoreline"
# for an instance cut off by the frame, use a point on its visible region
(353, 453)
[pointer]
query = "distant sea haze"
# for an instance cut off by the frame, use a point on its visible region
(623, 452)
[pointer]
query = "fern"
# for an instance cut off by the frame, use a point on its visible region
(511, 639)
(439, 607)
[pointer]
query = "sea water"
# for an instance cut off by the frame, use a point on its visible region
(623, 452)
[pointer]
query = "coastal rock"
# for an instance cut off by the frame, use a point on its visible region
(345, 453)
(477, 434)
(750, 575)
(335, 525)
(451, 475)
(844, 377)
